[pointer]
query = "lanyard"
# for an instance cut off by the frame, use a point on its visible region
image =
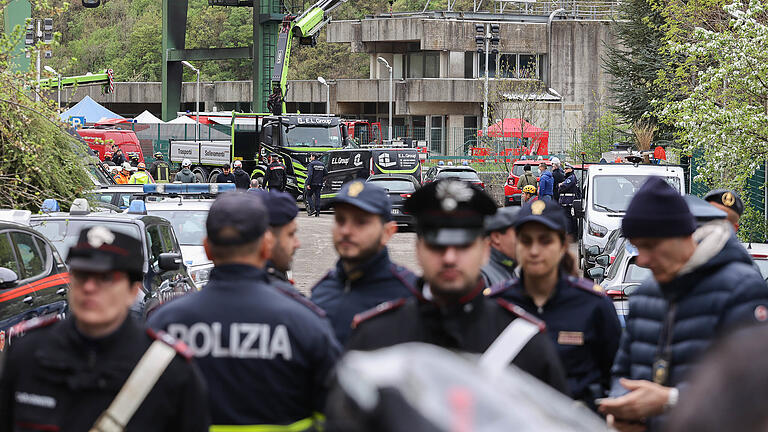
(663, 350)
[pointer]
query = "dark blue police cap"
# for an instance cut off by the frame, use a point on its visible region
(450, 212)
(281, 206)
(236, 218)
(99, 249)
(365, 196)
(727, 198)
(503, 219)
(547, 213)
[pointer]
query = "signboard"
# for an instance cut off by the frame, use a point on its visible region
(181, 150)
(215, 153)
(76, 122)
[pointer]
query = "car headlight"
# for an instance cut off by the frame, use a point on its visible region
(597, 230)
(200, 276)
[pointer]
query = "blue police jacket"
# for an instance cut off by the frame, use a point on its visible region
(722, 292)
(583, 324)
(569, 190)
(343, 295)
(315, 173)
(546, 184)
(265, 355)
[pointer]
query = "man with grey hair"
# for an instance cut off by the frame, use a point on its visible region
(559, 176)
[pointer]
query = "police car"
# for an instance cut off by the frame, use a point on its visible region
(117, 197)
(33, 277)
(164, 275)
(184, 206)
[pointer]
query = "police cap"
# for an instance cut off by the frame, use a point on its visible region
(365, 196)
(503, 219)
(236, 218)
(100, 249)
(281, 206)
(547, 213)
(450, 212)
(727, 198)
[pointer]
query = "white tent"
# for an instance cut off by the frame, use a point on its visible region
(182, 120)
(147, 118)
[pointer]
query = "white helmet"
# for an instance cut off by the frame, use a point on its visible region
(555, 161)
(237, 164)
(127, 166)
(186, 163)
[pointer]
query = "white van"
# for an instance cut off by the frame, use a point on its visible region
(608, 190)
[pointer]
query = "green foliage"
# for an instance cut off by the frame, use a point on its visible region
(38, 158)
(752, 226)
(598, 137)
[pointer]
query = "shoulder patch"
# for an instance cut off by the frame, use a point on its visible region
(587, 285)
(171, 341)
(378, 310)
(31, 324)
(521, 313)
(500, 287)
(295, 295)
(403, 275)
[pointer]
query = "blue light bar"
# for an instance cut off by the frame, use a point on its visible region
(188, 188)
(137, 207)
(50, 205)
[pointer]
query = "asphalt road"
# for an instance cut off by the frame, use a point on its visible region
(317, 255)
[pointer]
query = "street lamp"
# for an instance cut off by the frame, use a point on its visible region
(562, 118)
(389, 127)
(197, 99)
(58, 84)
(327, 94)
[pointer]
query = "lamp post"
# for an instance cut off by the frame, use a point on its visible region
(562, 117)
(549, 44)
(197, 99)
(327, 94)
(389, 126)
(58, 84)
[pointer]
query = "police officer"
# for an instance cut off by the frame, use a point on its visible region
(728, 201)
(450, 309)
(265, 354)
(364, 276)
(62, 375)
(501, 233)
(225, 176)
(580, 318)
(315, 175)
(117, 157)
(569, 191)
(159, 170)
(276, 177)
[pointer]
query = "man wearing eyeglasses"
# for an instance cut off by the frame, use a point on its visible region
(81, 363)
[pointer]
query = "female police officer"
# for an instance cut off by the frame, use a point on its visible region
(580, 319)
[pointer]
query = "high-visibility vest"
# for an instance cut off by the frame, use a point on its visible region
(315, 422)
(121, 178)
(140, 177)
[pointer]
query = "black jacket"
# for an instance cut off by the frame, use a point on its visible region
(469, 326)
(242, 179)
(500, 268)
(559, 176)
(160, 171)
(68, 380)
(225, 178)
(265, 353)
(276, 176)
(343, 295)
(569, 190)
(315, 173)
(118, 159)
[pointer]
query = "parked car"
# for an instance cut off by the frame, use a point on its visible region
(621, 278)
(399, 188)
(512, 193)
(759, 254)
(464, 174)
(435, 170)
(33, 278)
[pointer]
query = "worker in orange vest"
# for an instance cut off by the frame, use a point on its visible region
(124, 175)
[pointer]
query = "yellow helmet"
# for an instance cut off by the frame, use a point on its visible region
(529, 189)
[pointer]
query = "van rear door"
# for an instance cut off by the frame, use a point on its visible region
(396, 161)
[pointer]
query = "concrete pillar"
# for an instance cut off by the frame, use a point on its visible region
(456, 64)
(455, 135)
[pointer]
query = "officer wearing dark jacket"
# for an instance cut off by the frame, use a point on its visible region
(364, 276)
(315, 175)
(450, 309)
(225, 176)
(569, 191)
(276, 176)
(61, 376)
(501, 233)
(242, 179)
(703, 285)
(558, 175)
(265, 354)
(580, 318)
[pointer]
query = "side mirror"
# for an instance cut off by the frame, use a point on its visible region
(596, 273)
(578, 208)
(593, 250)
(169, 261)
(603, 260)
(630, 289)
(91, 3)
(8, 278)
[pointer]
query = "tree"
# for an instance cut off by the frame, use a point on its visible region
(598, 137)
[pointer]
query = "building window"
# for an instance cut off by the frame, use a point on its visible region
(510, 65)
(425, 64)
(491, 66)
(469, 63)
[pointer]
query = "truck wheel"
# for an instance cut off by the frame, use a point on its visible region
(214, 173)
(201, 173)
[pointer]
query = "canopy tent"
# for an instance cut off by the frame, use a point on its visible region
(147, 118)
(182, 120)
(91, 110)
(513, 127)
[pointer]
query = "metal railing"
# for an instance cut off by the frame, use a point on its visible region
(582, 9)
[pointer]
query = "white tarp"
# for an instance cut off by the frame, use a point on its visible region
(182, 120)
(147, 118)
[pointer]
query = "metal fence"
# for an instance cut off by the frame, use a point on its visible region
(581, 9)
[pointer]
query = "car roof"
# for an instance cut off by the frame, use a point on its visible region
(757, 249)
(103, 217)
(457, 168)
(391, 177)
(120, 188)
(176, 204)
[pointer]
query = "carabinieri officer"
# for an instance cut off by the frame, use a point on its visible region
(580, 318)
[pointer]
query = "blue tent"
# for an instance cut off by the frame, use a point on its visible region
(90, 109)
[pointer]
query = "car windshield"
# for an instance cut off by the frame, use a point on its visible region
(188, 225)
(99, 175)
(310, 136)
(612, 193)
(763, 266)
(64, 233)
(636, 273)
(394, 185)
(461, 175)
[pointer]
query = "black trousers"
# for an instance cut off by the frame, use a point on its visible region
(313, 197)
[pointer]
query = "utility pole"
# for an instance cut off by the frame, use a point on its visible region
(487, 41)
(389, 126)
(197, 99)
(38, 35)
